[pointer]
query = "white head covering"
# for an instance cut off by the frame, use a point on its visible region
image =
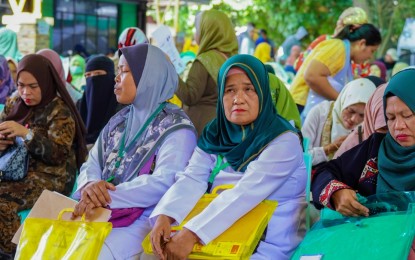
(156, 81)
(356, 91)
(131, 36)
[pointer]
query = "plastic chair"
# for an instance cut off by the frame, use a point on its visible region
(306, 143)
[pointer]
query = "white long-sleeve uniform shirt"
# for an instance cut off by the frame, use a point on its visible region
(278, 174)
(143, 191)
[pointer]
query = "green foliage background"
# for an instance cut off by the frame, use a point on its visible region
(282, 17)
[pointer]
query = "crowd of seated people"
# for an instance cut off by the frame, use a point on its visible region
(112, 130)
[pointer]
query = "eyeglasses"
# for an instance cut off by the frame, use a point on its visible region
(31, 85)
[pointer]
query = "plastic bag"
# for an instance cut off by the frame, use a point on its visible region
(387, 233)
(61, 239)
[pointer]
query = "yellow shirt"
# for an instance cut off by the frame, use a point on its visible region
(332, 53)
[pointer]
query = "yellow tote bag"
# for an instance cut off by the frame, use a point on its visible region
(61, 239)
(237, 242)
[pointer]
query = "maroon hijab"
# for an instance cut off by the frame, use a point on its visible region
(51, 85)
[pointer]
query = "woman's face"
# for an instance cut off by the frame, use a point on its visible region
(400, 121)
(29, 89)
(240, 100)
(360, 52)
(125, 88)
(353, 115)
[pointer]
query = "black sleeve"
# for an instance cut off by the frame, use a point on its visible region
(347, 168)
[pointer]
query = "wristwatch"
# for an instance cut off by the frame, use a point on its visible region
(29, 136)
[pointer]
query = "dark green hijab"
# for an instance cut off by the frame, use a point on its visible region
(397, 163)
(242, 144)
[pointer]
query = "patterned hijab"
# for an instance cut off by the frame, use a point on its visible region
(143, 60)
(242, 144)
(356, 91)
(397, 163)
(7, 85)
(217, 40)
(51, 85)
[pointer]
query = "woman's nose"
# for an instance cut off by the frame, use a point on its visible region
(239, 97)
(357, 119)
(399, 123)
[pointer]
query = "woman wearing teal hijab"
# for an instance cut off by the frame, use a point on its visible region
(250, 146)
(382, 163)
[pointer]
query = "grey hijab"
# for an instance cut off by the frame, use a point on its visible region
(153, 88)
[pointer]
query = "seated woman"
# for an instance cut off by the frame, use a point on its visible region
(329, 123)
(54, 57)
(263, 158)
(139, 151)
(98, 103)
(373, 122)
(382, 163)
(7, 85)
(44, 116)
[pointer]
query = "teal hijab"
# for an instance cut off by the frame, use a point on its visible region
(242, 144)
(397, 163)
(8, 44)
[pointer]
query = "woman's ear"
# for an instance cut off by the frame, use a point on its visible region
(362, 43)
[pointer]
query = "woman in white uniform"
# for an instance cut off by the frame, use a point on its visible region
(263, 158)
(139, 151)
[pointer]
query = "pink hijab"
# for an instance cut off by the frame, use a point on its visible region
(374, 119)
(56, 61)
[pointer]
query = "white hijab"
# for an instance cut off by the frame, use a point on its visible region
(356, 91)
(156, 81)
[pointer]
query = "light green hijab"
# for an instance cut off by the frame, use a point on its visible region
(284, 102)
(397, 163)
(8, 44)
(217, 40)
(242, 144)
(77, 69)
